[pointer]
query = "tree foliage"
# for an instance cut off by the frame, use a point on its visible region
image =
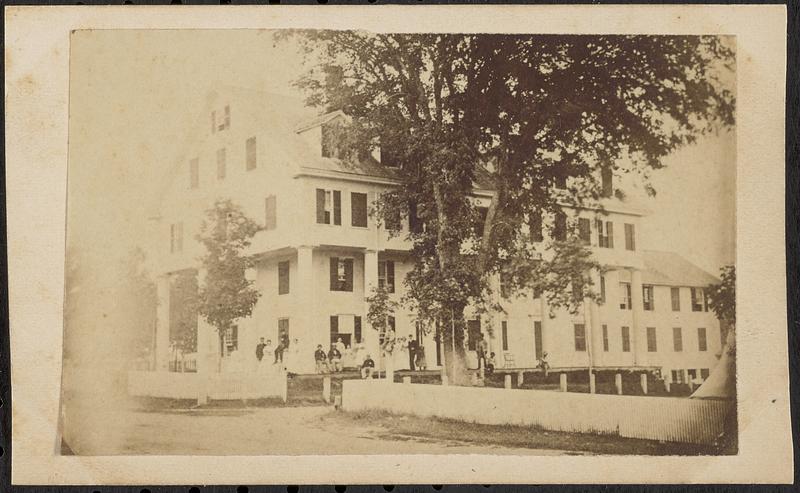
(511, 116)
(722, 296)
(226, 294)
(379, 308)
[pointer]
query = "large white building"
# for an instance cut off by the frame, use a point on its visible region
(320, 252)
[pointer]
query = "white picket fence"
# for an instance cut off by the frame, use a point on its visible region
(654, 418)
(217, 386)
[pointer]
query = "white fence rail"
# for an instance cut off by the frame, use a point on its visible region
(654, 418)
(217, 386)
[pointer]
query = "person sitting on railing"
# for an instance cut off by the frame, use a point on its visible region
(321, 359)
(367, 367)
(335, 358)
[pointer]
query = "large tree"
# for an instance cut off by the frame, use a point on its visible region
(225, 294)
(516, 115)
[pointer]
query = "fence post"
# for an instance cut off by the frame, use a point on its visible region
(326, 389)
(592, 385)
(520, 378)
(618, 383)
(643, 382)
(563, 382)
(507, 381)
(406, 380)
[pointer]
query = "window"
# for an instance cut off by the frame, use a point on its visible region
(577, 288)
(605, 337)
(213, 121)
(341, 274)
(625, 293)
(651, 340)
(626, 339)
(677, 339)
(535, 226)
(481, 221)
(702, 342)
(602, 289)
(221, 164)
(698, 300)
(386, 275)
(537, 339)
(580, 337)
(232, 338)
(176, 237)
(270, 213)
(605, 233)
(227, 116)
(250, 153)
(585, 231)
(283, 277)
(357, 329)
(677, 376)
(692, 375)
(358, 209)
(630, 237)
(560, 180)
(329, 205)
(283, 330)
(505, 284)
(607, 178)
(647, 298)
(473, 334)
(704, 373)
(560, 226)
(194, 173)
(675, 294)
(504, 328)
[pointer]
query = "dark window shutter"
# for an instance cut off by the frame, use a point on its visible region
(608, 182)
(320, 206)
(585, 230)
(610, 234)
(560, 226)
(337, 207)
(270, 213)
(414, 224)
(334, 273)
(535, 226)
(334, 327)
(505, 335)
(348, 274)
(358, 209)
(390, 276)
(357, 329)
(598, 224)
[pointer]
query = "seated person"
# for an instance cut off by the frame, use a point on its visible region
(335, 358)
(321, 359)
(490, 364)
(367, 367)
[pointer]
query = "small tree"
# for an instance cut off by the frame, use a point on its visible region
(225, 294)
(722, 296)
(380, 308)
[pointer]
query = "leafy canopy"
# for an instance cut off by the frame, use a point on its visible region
(511, 115)
(722, 296)
(226, 294)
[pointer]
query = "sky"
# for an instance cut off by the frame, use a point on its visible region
(134, 95)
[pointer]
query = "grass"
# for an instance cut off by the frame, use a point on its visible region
(400, 426)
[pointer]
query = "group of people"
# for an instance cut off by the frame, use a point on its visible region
(331, 362)
(265, 351)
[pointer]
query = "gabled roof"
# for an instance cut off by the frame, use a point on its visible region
(668, 268)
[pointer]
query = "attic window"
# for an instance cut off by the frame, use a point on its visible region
(221, 121)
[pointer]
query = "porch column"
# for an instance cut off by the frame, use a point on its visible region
(305, 308)
(369, 337)
(594, 330)
(162, 324)
(639, 342)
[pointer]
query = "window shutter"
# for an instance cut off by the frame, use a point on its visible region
(585, 230)
(320, 206)
(390, 276)
(334, 273)
(608, 182)
(357, 329)
(358, 209)
(250, 153)
(337, 207)
(505, 335)
(348, 274)
(535, 226)
(610, 234)
(414, 224)
(334, 327)
(270, 213)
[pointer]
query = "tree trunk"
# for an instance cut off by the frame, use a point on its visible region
(452, 336)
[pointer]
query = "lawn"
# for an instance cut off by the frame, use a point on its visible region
(397, 426)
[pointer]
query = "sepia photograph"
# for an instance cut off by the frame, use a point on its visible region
(313, 242)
